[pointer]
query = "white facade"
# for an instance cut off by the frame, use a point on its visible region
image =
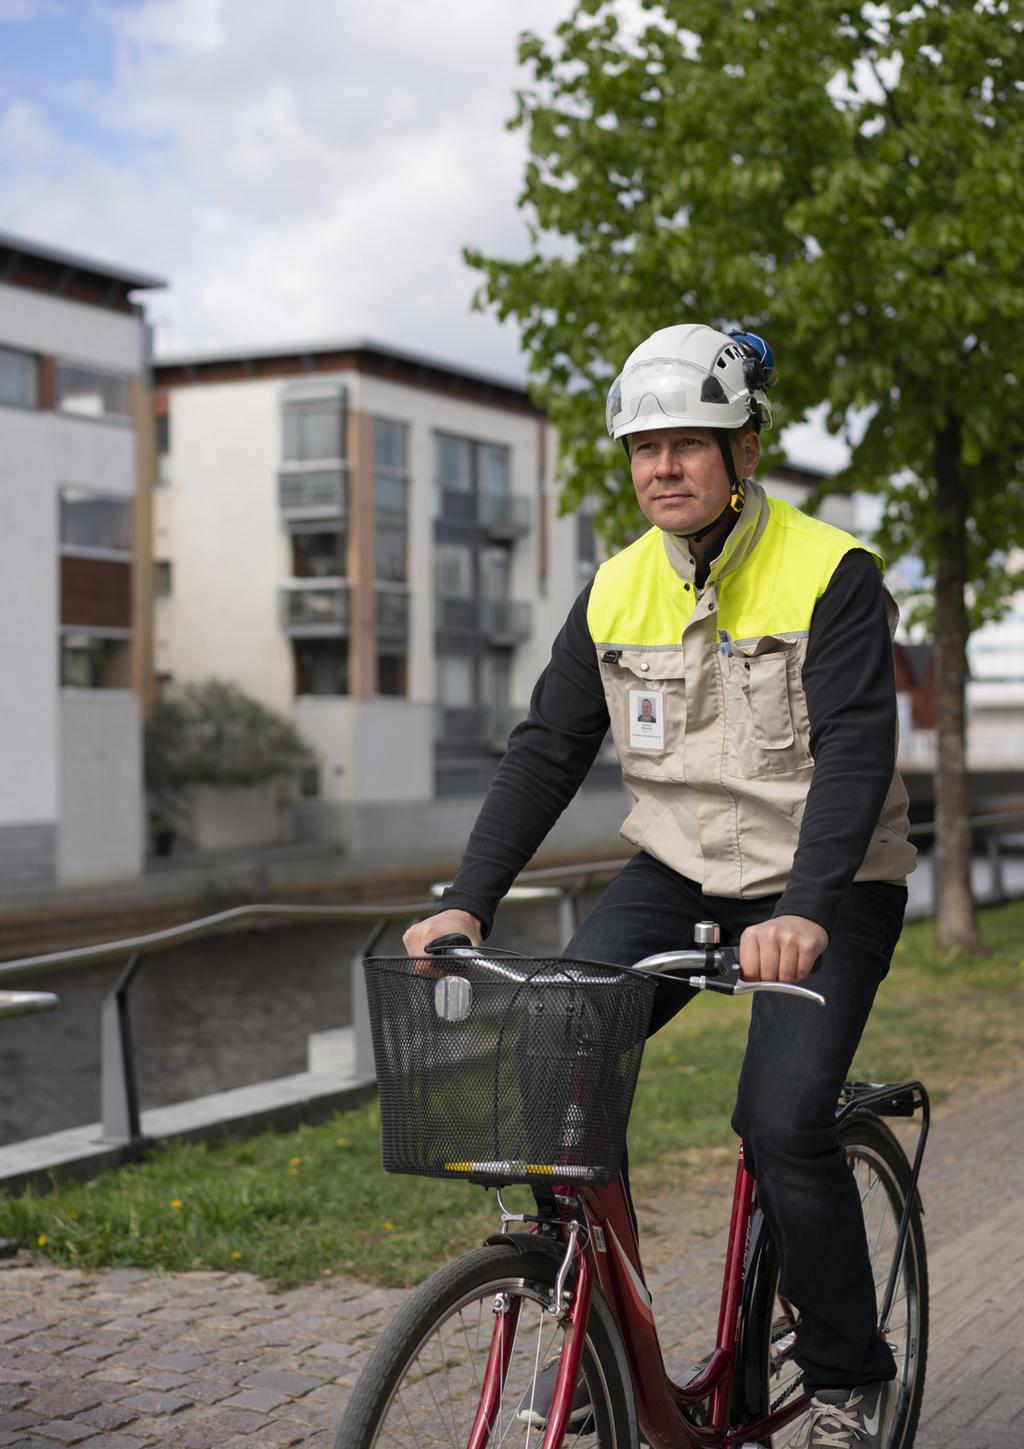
(216, 521)
(219, 525)
(70, 766)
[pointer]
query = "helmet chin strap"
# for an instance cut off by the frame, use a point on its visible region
(737, 489)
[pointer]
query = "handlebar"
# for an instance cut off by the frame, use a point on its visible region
(703, 968)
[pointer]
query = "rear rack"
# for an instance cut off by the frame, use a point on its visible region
(885, 1099)
(892, 1099)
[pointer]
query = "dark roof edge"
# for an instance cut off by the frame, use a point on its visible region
(366, 345)
(57, 255)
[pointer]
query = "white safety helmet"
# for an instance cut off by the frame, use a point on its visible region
(692, 376)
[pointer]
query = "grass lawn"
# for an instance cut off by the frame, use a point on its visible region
(293, 1206)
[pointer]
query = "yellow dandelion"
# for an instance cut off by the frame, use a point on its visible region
(671, 1061)
(389, 1227)
(41, 1241)
(175, 1203)
(343, 1141)
(236, 1255)
(295, 1162)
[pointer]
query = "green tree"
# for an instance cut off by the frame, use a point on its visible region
(844, 178)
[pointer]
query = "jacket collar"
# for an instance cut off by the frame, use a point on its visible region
(738, 546)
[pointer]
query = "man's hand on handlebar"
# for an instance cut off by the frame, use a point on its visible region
(781, 949)
(446, 923)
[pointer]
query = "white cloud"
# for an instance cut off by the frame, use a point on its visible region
(295, 171)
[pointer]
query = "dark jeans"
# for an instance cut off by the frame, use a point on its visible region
(798, 1056)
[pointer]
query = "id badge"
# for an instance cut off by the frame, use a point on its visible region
(646, 720)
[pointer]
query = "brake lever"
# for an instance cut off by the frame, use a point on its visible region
(729, 981)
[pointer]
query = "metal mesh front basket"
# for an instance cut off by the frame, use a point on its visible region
(533, 1083)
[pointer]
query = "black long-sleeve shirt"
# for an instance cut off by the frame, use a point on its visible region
(849, 682)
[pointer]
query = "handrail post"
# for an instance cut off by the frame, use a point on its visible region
(119, 1095)
(995, 862)
(363, 1064)
(568, 916)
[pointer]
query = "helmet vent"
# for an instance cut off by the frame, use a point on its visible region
(712, 391)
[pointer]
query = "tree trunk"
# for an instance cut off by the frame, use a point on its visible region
(956, 917)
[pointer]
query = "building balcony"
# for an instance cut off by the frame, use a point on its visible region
(392, 609)
(308, 493)
(313, 608)
(461, 614)
(504, 515)
(505, 621)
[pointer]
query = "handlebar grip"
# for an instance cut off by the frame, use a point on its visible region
(451, 942)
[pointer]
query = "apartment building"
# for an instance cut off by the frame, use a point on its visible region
(368, 541)
(74, 441)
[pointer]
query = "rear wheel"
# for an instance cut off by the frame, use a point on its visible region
(769, 1376)
(422, 1384)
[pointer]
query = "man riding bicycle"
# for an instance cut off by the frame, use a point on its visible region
(763, 792)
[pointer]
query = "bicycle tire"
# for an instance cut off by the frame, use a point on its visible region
(420, 1386)
(766, 1374)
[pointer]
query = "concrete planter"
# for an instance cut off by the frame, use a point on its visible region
(228, 817)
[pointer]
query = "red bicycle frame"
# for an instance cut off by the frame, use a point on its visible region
(613, 1254)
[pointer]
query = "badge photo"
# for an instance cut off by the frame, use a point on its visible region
(646, 720)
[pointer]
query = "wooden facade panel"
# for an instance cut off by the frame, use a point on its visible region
(95, 593)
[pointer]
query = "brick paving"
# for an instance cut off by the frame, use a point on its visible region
(128, 1359)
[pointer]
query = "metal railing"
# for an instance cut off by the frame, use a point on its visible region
(119, 1095)
(26, 1003)
(120, 1116)
(314, 605)
(313, 492)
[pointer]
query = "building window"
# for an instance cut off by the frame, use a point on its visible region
(321, 666)
(163, 578)
(391, 674)
(495, 471)
(319, 555)
(89, 392)
(163, 448)
(19, 378)
(453, 571)
(89, 521)
(389, 444)
(390, 551)
(454, 463)
(314, 429)
(495, 567)
(455, 684)
(90, 661)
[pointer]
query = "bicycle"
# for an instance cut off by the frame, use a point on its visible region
(515, 1070)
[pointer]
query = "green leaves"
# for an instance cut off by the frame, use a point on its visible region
(842, 178)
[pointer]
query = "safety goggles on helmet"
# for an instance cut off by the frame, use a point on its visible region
(720, 385)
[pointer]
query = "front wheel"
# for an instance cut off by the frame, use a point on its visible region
(422, 1384)
(769, 1376)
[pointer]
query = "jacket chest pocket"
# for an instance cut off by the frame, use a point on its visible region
(768, 730)
(646, 695)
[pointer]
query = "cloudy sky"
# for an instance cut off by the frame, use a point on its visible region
(296, 169)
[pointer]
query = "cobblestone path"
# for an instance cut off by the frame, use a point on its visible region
(129, 1359)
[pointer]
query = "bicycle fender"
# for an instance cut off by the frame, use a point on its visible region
(527, 1243)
